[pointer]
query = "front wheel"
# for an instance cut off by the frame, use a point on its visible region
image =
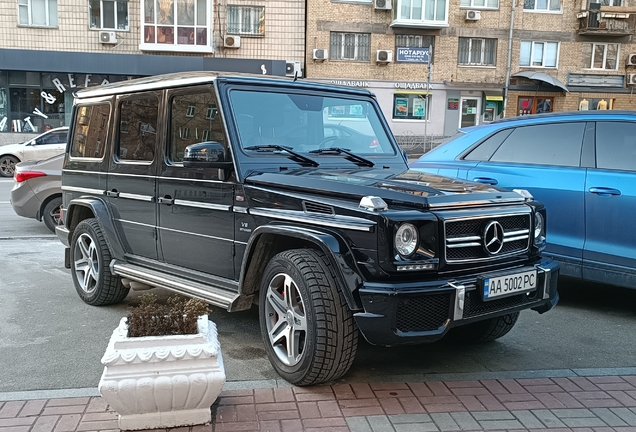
(486, 330)
(308, 330)
(90, 257)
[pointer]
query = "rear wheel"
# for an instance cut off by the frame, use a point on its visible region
(7, 165)
(308, 330)
(51, 213)
(90, 257)
(484, 331)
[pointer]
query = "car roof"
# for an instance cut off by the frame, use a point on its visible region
(592, 115)
(182, 79)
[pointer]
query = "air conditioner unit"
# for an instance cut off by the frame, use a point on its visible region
(232, 41)
(292, 69)
(382, 4)
(631, 60)
(321, 54)
(631, 79)
(107, 37)
(384, 56)
(473, 15)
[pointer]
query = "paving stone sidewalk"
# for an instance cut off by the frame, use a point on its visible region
(600, 403)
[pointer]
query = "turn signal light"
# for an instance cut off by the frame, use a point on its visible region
(21, 176)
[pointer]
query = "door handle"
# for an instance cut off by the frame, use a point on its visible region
(168, 200)
(486, 180)
(603, 191)
(112, 193)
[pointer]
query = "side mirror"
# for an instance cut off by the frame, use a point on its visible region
(209, 154)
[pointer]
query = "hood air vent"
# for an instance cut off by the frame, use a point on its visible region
(312, 207)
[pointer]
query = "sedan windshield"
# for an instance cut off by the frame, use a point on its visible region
(304, 123)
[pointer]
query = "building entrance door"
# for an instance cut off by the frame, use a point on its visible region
(470, 112)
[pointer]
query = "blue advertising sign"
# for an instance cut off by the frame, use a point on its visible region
(412, 55)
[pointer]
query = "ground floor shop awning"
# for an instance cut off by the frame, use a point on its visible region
(542, 77)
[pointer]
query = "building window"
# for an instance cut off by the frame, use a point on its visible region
(480, 4)
(600, 56)
(350, 46)
(534, 105)
(542, 5)
(608, 2)
(182, 25)
(411, 106)
(38, 13)
(539, 54)
(246, 20)
(414, 41)
(481, 52)
(424, 13)
(108, 14)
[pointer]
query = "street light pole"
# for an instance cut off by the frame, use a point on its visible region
(427, 116)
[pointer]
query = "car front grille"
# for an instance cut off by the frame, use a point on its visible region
(465, 237)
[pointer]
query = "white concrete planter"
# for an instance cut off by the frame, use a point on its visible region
(162, 381)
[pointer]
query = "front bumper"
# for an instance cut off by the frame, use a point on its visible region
(411, 313)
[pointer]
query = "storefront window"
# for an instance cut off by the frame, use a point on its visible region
(595, 104)
(408, 106)
(534, 105)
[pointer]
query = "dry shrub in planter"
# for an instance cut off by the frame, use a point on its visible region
(178, 317)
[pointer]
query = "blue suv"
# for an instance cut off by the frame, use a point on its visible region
(582, 165)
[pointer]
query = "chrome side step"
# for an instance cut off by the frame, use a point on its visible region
(216, 296)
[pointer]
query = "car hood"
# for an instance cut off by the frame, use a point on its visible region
(403, 187)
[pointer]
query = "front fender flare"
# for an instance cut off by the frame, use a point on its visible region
(105, 218)
(331, 244)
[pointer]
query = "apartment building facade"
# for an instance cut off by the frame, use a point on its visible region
(489, 58)
(51, 48)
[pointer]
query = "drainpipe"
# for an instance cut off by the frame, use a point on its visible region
(512, 23)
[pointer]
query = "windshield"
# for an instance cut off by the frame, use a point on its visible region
(306, 122)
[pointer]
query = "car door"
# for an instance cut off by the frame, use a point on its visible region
(545, 160)
(131, 184)
(610, 202)
(196, 222)
(46, 145)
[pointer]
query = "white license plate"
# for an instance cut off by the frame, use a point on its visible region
(503, 286)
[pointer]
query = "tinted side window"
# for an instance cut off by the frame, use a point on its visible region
(193, 118)
(616, 145)
(484, 151)
(91, 125)
(138, 128)
(548, 144)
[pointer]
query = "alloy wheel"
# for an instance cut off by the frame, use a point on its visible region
(286, 319)
(86, 263)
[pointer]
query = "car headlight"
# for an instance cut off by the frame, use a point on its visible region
(539, 226)
(406, 239)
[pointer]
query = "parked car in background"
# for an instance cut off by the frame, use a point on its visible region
(581, 165)
(43, 146)
(37, 190)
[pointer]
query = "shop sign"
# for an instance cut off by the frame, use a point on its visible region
(412, 55)
(413, 86)
(363, 84)
(453, 104)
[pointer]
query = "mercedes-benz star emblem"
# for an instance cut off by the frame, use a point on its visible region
(493, 238)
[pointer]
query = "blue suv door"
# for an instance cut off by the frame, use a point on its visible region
(610, 201)
(545, 159)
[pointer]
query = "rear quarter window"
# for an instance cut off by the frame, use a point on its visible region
(91, 125)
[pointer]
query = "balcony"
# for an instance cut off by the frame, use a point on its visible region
(607, 21)
(432, 14)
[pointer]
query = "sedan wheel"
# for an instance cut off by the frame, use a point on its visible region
(7, 165)
(51, 213)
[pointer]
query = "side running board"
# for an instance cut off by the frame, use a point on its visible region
(216, 296)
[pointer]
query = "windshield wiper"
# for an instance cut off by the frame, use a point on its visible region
(294, 156)
(337, 150)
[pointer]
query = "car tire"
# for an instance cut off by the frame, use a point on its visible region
(90, 258)
(484, 331)
(51, 213)
(7, 165)
(300, 287)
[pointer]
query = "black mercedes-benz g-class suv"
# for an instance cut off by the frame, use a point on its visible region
(294, 196)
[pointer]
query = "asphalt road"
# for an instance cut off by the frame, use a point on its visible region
(50, 339)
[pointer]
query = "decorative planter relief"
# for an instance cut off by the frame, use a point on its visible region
(163, 381)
